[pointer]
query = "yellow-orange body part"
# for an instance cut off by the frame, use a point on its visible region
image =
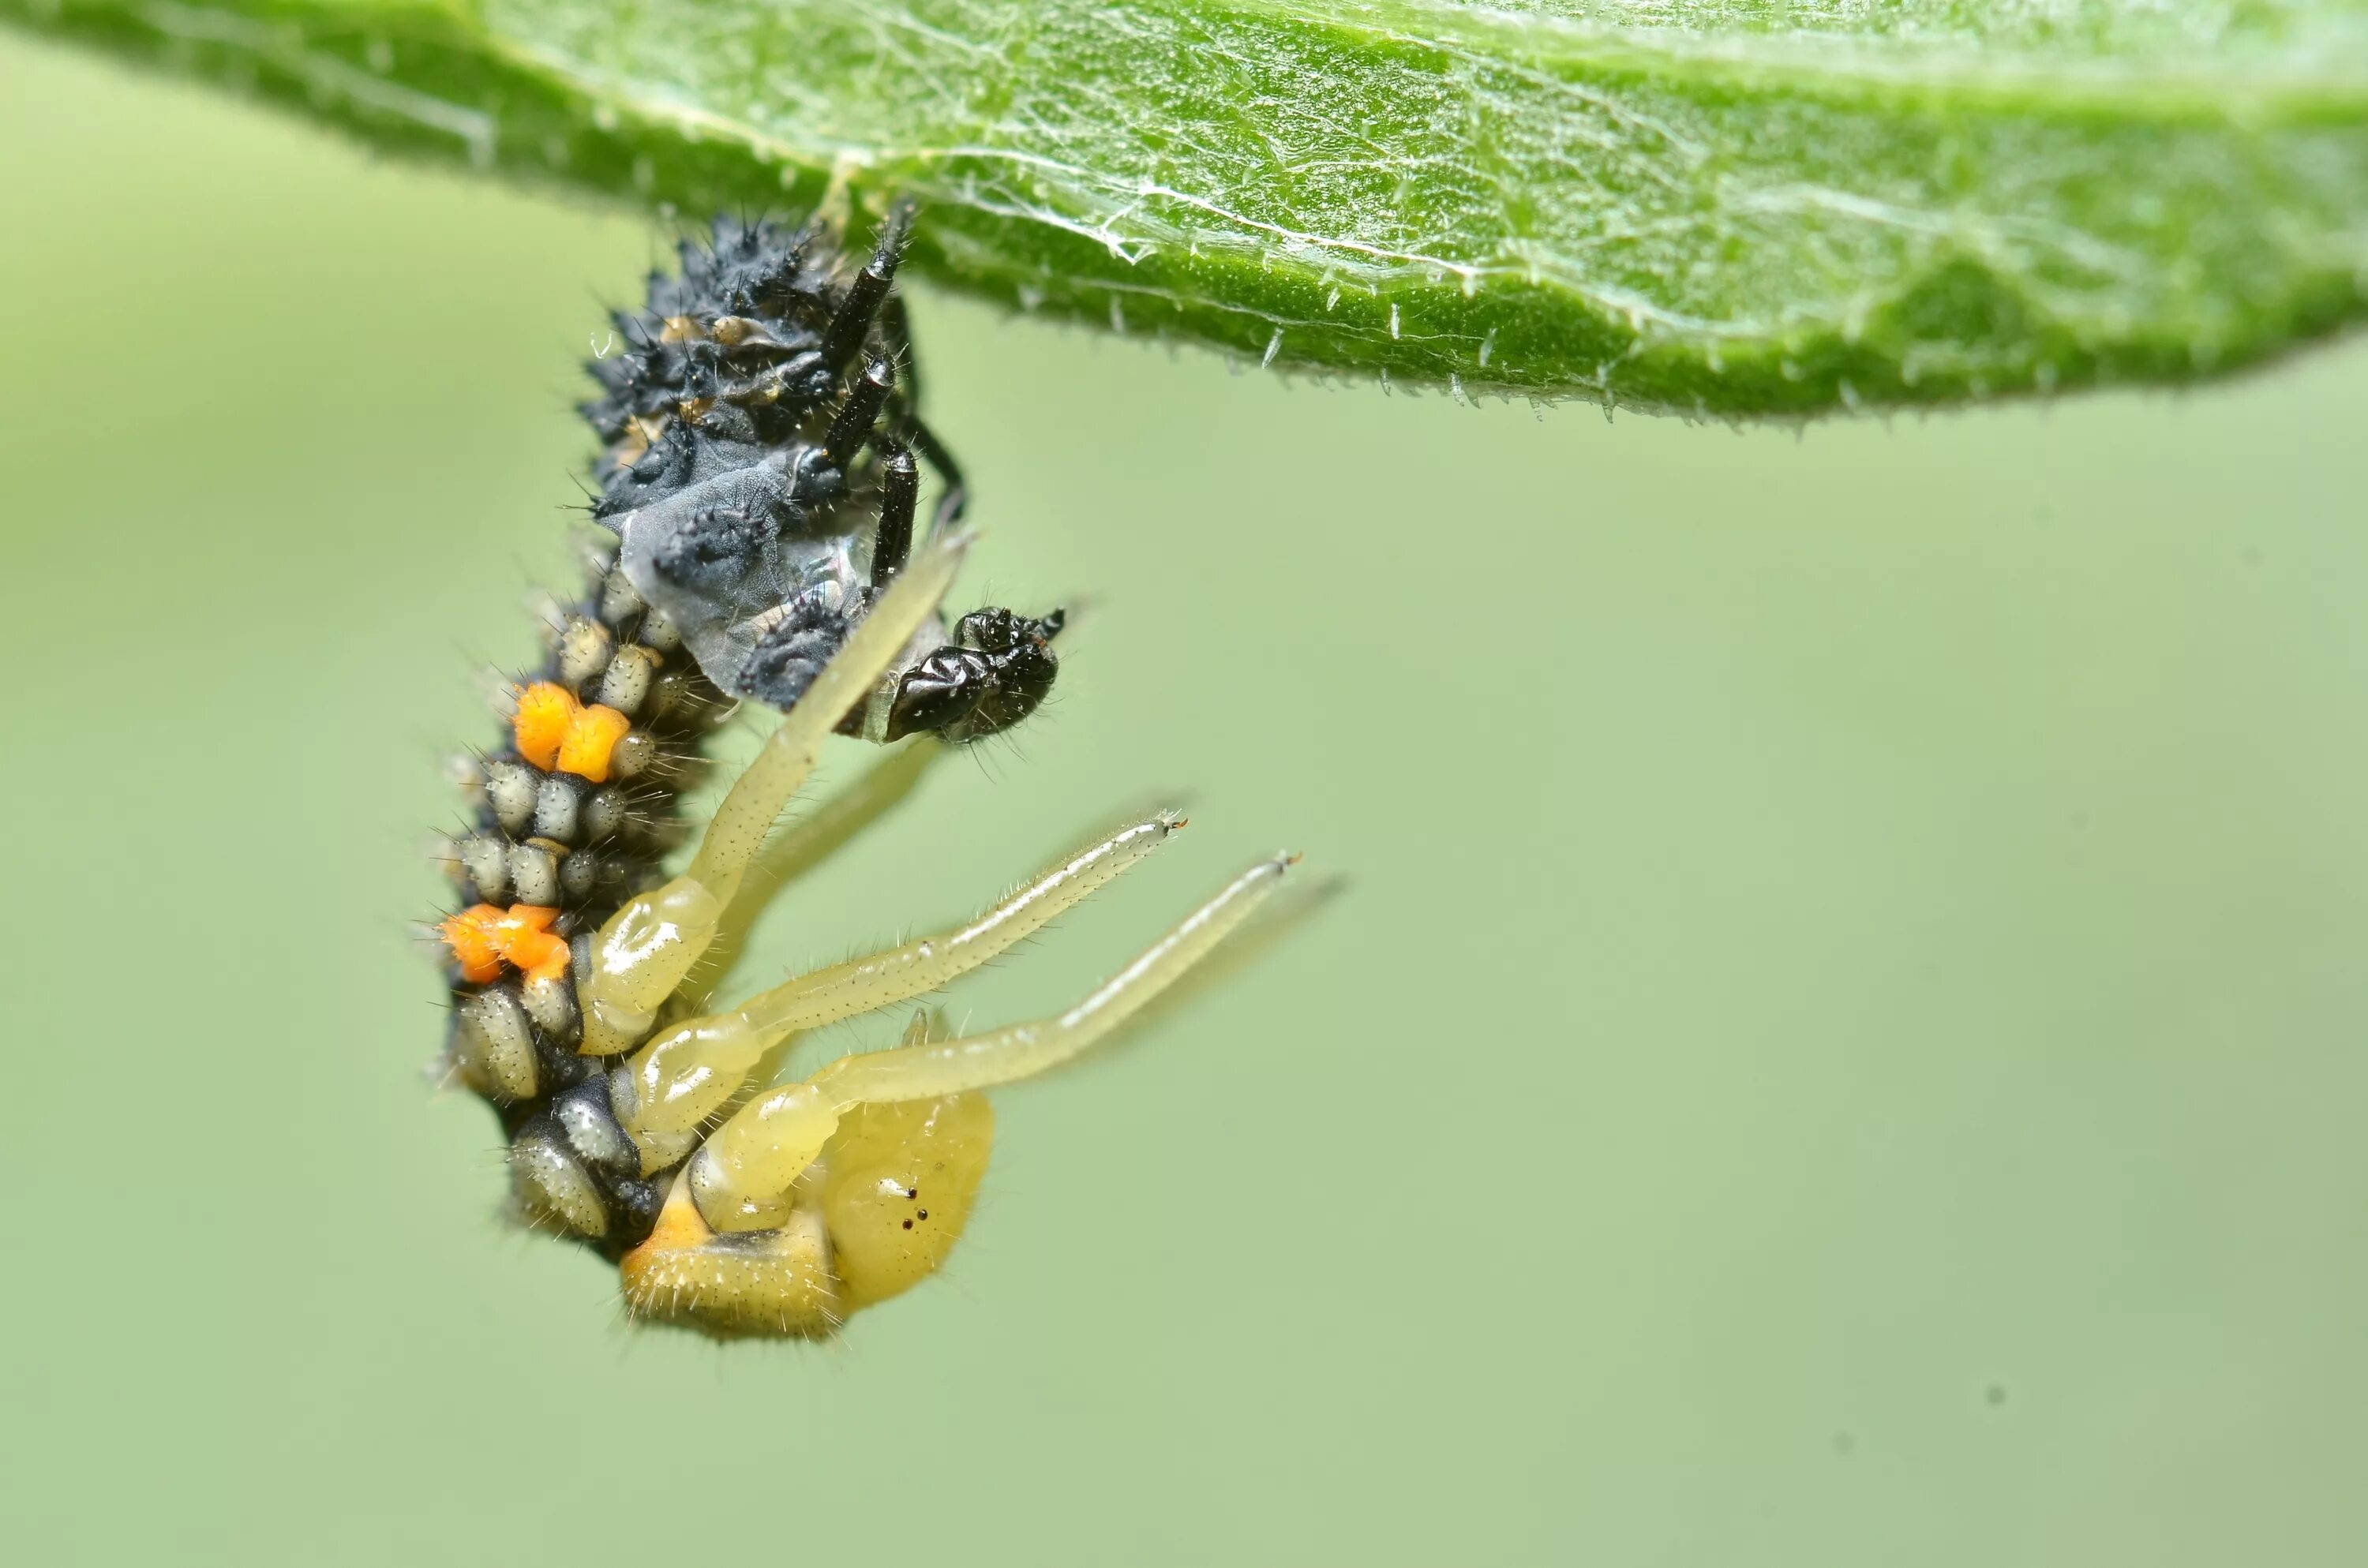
(554, 731)
(873, 1218)
(483, 938)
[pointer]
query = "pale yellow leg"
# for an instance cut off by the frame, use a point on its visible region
(686, 1074)
(647, 947)
(740, 1178)
(806, 844)
(883, 980)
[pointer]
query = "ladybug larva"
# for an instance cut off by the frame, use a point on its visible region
(761, 479)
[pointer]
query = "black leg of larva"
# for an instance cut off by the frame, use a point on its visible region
(956, 495)
(900, 496)
(905, 417)
(896, 328)
(853, 427)
(870, 290)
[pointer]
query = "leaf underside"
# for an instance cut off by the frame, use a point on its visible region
(1719, 207)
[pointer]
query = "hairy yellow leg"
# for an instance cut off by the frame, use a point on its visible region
(647, 947)
(684, 1075)
(883, 980)
(806, 844)
(740, 1178)
(1023, 1050)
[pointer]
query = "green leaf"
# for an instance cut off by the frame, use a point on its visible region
(1726, 207)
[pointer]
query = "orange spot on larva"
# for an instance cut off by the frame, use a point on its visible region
(541, 954)
(545, 711)
(553, 730)
(591, 742)
(482, 938)
(471, 935)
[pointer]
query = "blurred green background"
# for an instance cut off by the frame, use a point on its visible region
(1843, 1047)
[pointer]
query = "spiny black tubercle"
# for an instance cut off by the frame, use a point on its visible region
(790, 283)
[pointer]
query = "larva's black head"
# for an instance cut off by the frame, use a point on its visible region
(997, 669)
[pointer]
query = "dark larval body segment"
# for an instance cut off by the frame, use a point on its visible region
(543, 833)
